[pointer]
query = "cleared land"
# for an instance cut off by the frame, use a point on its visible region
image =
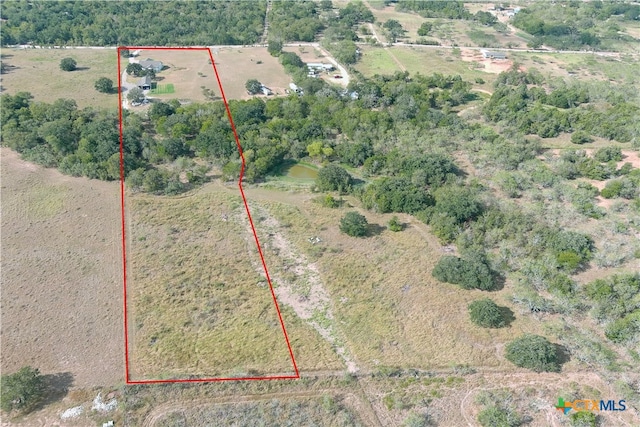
(38, 71)
(61, 274)
(190, 72)
(198, 300)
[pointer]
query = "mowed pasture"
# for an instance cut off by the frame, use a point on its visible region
(198, 301)
(61, 275)
(191, 72)
(38, 71)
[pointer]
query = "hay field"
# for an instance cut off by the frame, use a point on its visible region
(197, 297)
(61, 275)
(38, 71)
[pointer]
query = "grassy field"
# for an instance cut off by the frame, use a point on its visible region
(61, 274)
(199, 304)
(163, 89)
(386, 306)
(425, 61)
(38, 71)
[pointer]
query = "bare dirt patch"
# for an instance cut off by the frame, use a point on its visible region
(61, 274)
(484, 64)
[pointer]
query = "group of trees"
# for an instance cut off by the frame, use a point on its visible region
(521, 101)
(136, 24)
(575, 25)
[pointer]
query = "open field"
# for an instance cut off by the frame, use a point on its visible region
(385, 305)
(61, 274)
(198, 300)
(189, 71)
(426, 61)
(38, 71)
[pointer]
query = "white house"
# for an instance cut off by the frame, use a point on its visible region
(493, 55)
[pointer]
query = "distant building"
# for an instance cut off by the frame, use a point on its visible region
(149, 64)
(145, 83)
(319, 66)
(489, 54)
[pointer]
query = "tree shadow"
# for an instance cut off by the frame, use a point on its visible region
(499, 281)
(563, 354)
(56, 388)
(507, 315)
(374, 230)
(82, 68)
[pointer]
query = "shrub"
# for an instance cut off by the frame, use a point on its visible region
(21, 390)
(329, 201)
(581, 137)
(467, 274)
(584, 419)
(612, 189)
(68, 64)
(395, 224)
(354, 224)
(334, 178)
(533, 352)
(486, 313)
(607, 154)
(498, 417)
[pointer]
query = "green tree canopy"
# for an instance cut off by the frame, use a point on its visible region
(468, 274)
(354, 224)
(104, 85)
(135, 95)
(533, 352)
(334, 178)
(253, 86)
(486, 313)
(21, 390)
(68, 64)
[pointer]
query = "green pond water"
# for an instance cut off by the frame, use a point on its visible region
(302, 172)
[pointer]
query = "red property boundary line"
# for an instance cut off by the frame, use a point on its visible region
(246, 206)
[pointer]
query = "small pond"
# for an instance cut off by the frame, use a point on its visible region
(299, 171)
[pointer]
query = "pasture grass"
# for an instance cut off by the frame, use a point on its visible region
(38, 71)
(198, 301)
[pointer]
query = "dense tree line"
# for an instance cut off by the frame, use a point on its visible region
(86, 142)
(435, 9)
(291, 20)
(105, 23)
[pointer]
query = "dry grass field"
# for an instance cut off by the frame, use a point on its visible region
(61, 274)
(38, 71)
(197, 297)
(385, 305)
(190, 71)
